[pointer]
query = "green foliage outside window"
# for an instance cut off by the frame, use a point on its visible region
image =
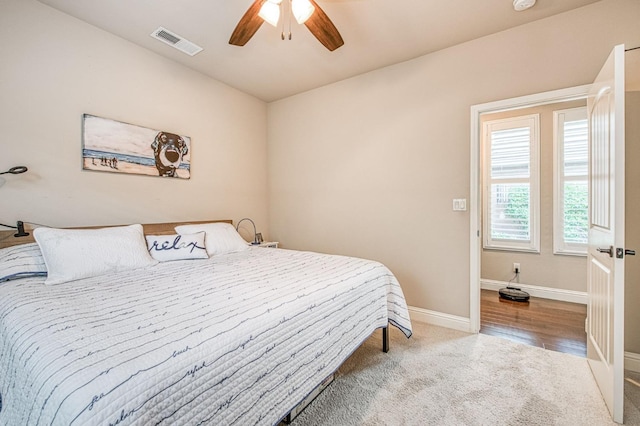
(512, 214)
(576, 217)
(518, 205)
(576, 203)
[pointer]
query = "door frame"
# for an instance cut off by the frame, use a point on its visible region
(475, 201)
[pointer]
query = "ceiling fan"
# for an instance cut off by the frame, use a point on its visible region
(304, 11)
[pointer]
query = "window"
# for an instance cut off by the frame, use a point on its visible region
(571, 188)
(511, 195)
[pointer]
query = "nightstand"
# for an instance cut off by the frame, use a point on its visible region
(267, 244)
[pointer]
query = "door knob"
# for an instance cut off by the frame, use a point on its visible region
(606, 250)
(629, 252)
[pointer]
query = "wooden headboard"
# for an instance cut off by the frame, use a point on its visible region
(7, 238)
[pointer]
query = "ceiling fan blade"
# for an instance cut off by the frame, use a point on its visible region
(323, 29)
(248, 25)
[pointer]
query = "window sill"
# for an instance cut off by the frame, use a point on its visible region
(518, 249)
(570, 253)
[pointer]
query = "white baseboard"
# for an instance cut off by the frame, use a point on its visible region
(539, 291)
(440, 319)
(632, 362)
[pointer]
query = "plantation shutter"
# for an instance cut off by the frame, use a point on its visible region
(510, 200)
(511, 183)
(570, 182)
(576, 191)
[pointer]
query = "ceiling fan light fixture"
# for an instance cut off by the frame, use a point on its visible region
(302, 10)
(270, 11)
(318, 23)
(520, 5)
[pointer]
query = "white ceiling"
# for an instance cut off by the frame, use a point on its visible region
(376, 33)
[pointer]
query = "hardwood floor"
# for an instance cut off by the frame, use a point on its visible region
(550, 324)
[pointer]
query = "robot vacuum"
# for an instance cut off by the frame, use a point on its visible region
(514, 294)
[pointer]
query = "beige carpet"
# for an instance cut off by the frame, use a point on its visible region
(445, 377)
(632, 398)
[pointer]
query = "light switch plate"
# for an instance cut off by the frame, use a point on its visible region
(459, 204)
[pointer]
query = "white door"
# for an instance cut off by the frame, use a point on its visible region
(605, 288)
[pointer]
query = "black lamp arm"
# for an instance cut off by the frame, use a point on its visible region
(255, 232)
(15, 170)
(19, 226)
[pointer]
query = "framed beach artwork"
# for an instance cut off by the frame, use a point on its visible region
(113, 146)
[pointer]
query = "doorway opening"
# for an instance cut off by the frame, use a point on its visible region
(534, 180)
(493, 263)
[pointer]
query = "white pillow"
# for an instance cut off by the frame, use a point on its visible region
(221, 237)
(177, 247)
(72, 254)
(21, 261)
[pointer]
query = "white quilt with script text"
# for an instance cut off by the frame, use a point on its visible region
(235, 339)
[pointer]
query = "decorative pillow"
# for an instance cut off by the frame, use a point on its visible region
(177, 247)
(21, 261)
(72, 254)
(221, 237)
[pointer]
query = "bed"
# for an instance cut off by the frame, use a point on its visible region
(235, 338)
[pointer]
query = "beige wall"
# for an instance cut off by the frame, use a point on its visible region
(632, 224)
(545, 268)
(369, 166)
(55, 68)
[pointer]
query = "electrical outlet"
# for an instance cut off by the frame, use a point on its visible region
(516, 268)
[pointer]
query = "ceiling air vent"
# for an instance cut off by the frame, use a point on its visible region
(173, 39)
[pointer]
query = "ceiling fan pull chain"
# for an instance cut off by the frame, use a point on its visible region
(290, 13)
(282, 33)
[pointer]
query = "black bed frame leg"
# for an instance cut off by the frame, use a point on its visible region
(385, 339)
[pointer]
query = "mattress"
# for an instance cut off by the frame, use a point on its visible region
(238, 339)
